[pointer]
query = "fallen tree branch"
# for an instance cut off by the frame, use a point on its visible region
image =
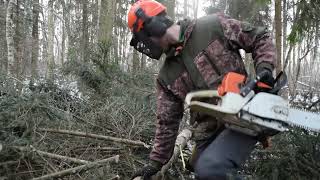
(99, 149)
(7, 163)
(51, 155)
(79, 169)
(313, 104)
(96, 136)
(115, 177)
(181, 141)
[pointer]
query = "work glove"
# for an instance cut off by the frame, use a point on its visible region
(148, 170)
(264, 70)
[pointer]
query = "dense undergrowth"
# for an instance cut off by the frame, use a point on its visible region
(100, 98)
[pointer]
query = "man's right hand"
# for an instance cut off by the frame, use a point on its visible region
(148, 171)
(265, 69)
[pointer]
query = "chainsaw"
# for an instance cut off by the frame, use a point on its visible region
(243, 108)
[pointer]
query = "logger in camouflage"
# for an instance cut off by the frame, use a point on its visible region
(198, 54)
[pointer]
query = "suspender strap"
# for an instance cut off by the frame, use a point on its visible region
(205, 31)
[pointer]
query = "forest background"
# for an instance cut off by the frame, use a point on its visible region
(72, 90)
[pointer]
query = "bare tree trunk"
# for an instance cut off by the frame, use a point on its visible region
(66, 30)
(95, 22)
(27, 38)
(51, 32)
(135, 62)
(195, 8)
(3, 41)
(116, 31)
(249, 64)
(284, 38)
(9, 36)
(35, 40)
(98, 17)
(185, 8)
(171, 4)
(85, 35)
(143, 62)
(278, 27)
(63, 45)
(19, 43)
(315, 54)
(294, 56)
(107, 14)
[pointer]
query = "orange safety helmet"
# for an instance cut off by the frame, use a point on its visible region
(151, 8)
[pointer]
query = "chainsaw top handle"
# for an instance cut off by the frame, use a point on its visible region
(252, 84)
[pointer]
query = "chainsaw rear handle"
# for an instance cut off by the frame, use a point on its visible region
(201, 94)
(203, 106)
(230, 103)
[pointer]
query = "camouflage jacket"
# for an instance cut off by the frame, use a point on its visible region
(219, 57)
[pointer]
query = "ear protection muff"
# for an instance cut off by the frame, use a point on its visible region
(156, 27)
(153, 26)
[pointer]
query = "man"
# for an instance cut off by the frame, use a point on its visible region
(198, 54)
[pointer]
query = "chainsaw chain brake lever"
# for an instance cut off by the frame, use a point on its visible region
(245, 90)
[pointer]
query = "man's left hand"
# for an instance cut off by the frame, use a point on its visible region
(148, 171)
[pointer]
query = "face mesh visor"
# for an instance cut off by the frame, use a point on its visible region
(142, 43)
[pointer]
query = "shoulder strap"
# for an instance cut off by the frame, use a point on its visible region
(206, 30)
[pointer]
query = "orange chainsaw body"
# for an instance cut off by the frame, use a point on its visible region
(232, 82)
